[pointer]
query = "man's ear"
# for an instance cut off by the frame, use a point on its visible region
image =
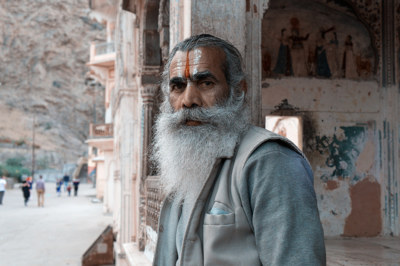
(243, 85)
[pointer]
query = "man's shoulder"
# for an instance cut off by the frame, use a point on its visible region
(257, 136)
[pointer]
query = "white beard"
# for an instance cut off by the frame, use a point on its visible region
(185, 154)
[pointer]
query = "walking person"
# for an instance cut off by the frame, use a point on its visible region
(29, 180)
(58, 186)
(26, 191)
(75, 182)
(40, 189)
(69, 189)
(3, 184)
(66, 181)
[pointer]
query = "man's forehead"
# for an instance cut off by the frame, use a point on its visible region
(203, 57)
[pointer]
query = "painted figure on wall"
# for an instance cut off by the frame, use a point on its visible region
(323, 69)
(299, 64)
(349, 65)
(284, 63)
(326, 53)
(332, 48)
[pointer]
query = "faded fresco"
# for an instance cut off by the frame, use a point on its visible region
(347, 180)
(313, 39)
(344, 148)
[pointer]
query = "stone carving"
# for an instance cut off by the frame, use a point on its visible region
(153, 202)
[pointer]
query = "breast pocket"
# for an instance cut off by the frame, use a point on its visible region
(226, 240)
(219, 214)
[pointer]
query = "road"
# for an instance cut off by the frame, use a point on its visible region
(56, 234)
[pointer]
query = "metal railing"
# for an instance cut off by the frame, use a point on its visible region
(101, 130)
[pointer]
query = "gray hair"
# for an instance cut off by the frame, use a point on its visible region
(233, 65)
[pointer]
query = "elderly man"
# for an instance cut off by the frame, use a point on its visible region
(236, 194)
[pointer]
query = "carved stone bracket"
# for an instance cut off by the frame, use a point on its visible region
(148, 93)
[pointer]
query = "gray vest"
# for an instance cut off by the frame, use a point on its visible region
(227, 237)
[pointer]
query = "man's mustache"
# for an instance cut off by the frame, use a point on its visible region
(201, 114)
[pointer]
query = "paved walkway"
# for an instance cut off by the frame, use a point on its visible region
(363, 251)
(57, 234)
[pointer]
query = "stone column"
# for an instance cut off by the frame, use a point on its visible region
(390, 117)
(148, 93)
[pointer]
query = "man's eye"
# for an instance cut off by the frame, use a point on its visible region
(177, 86)
(206, 84)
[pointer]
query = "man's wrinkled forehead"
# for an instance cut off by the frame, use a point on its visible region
(186, 63)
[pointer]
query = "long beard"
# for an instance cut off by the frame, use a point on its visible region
(185, 154)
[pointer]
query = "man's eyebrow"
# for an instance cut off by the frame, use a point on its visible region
(203, 75)
(177, 80)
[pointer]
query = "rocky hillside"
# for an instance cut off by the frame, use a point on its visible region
(44, 46)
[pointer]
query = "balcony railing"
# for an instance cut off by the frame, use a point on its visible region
(101, 49)
(104, 48)
(101, 130)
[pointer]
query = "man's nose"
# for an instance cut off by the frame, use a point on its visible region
(191, 96)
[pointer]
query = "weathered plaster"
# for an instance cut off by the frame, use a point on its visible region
(334, 205)
(322, 95)
(331, 184)
(365, 218)
(366, 159)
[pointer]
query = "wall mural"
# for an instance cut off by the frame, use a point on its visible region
(309, 39)
(343, 151)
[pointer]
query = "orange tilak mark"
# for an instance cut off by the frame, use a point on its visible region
(187, 70)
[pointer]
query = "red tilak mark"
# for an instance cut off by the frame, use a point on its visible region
(187, 71)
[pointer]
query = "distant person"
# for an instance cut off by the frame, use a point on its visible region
(75, 182)
(66, 181)
(29, 180)
(69, 189)
(58, 186)
(40, 189)
(3, 184)
(26, 191)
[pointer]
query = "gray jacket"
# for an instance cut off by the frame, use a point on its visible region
(258, 207)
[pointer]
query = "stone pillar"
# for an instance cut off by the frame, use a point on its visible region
(390, 117)
(127, 169)
(148, 93)
(255, 10)
(163, 29)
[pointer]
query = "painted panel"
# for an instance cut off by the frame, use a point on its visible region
(315, 39)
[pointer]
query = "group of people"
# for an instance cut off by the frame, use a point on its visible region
(67, 185)
(26, 187)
